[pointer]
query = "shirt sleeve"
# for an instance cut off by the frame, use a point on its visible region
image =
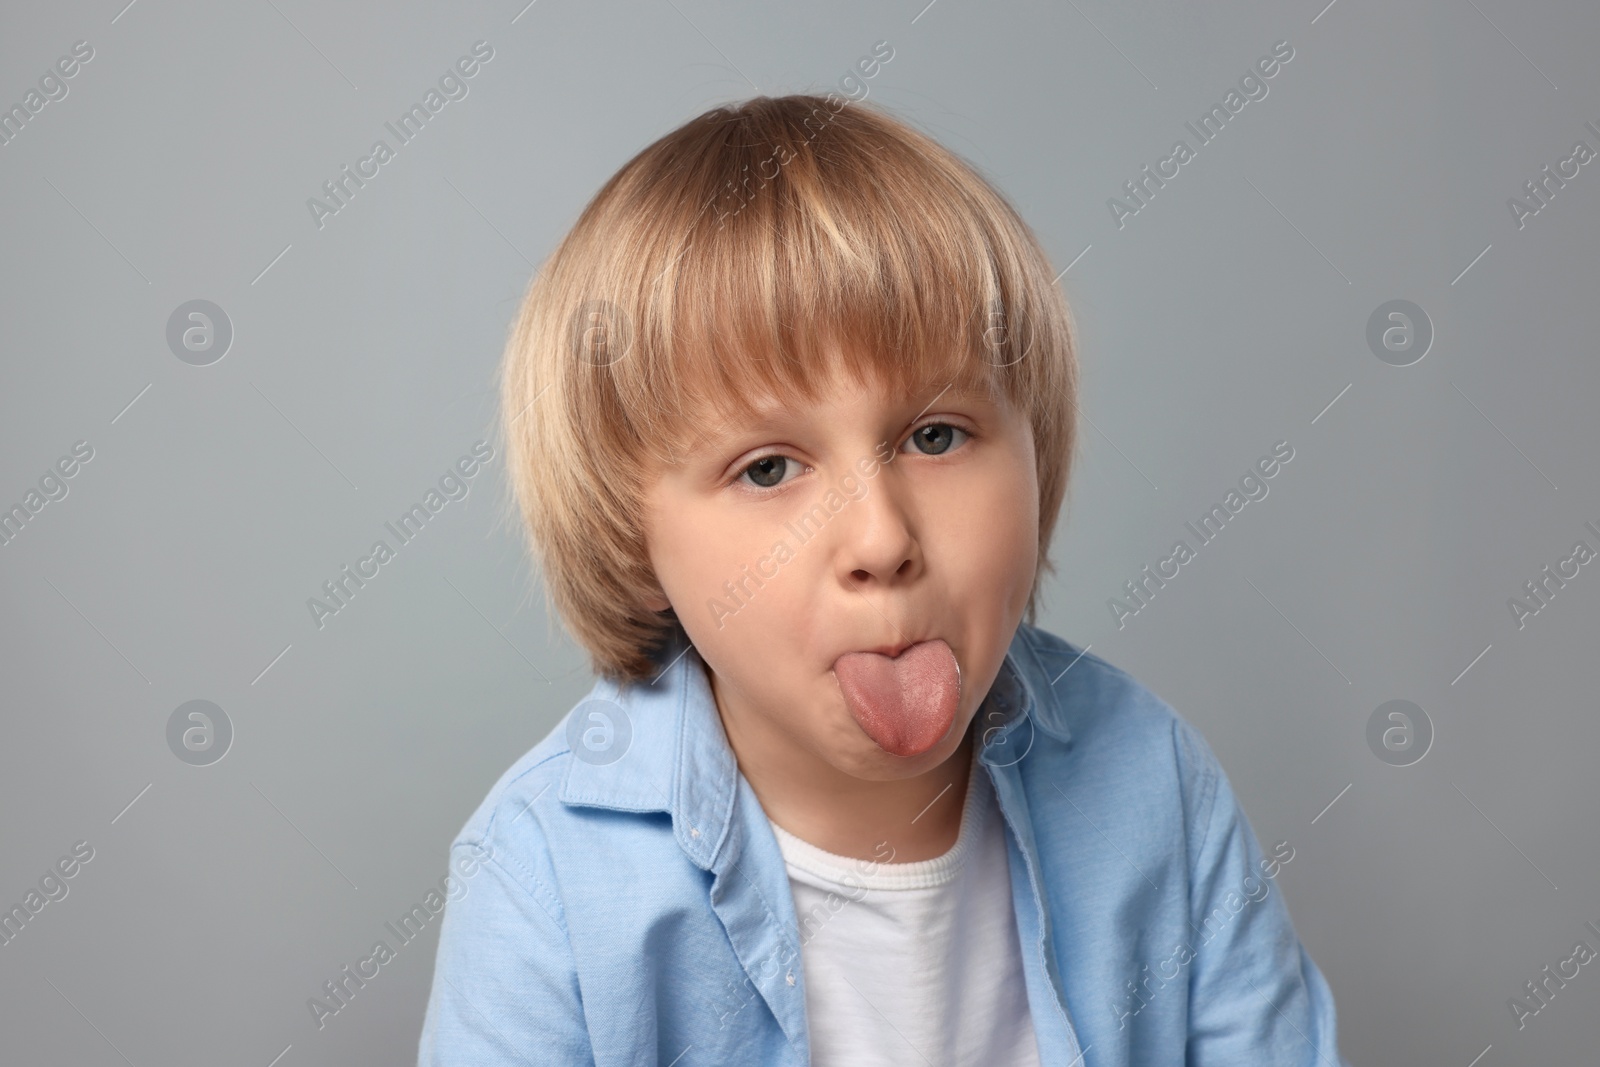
(505, 983)
(1255, 996)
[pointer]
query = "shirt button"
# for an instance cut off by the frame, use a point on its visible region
(791, 978)
(693, 832)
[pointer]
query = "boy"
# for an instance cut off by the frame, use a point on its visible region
(789, 415)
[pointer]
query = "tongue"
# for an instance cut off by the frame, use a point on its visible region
(906, 703)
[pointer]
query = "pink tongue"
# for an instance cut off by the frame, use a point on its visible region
(906, 704)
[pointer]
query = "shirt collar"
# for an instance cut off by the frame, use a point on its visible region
(659, 746)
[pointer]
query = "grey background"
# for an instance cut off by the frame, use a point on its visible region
(1226, 316)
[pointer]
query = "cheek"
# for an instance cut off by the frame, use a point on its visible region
(687, 555)
(718, 570)
(991, 526)
(1025, 503)
(1016, 538)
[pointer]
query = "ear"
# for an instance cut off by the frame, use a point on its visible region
(655, 597)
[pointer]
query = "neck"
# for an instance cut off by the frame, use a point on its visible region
(918, 818)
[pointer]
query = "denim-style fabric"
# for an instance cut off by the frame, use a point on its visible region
(635, 908)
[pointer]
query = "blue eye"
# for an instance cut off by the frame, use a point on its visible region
(936, 438)
(768, 471)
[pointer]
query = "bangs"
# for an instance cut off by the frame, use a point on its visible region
(789, 255)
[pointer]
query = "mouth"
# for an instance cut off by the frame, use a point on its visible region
(893, 651)
(902, 696)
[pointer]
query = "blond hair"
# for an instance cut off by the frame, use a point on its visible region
(736, 260)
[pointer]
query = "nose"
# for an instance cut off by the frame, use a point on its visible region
(878, 541)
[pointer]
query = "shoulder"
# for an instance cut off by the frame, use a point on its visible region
(1093, 700)
(509, 826)
(554, 820)
(1121, 738)
(536, 771)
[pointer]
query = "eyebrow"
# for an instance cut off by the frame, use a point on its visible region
(714, 439)
(767, 415)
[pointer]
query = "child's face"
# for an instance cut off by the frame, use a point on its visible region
(789, 541)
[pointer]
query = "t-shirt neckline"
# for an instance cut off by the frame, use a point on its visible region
(805, 859)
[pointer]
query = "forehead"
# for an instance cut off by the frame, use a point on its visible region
(717, 422)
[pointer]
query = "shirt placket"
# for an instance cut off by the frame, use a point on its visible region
(1004, 747)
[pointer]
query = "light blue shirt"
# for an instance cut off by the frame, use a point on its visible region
(636, 908)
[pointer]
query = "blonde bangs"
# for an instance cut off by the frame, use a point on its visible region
(745, 259)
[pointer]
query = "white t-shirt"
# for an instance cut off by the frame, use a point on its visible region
(913, 963)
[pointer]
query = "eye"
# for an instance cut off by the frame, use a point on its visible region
(768, 471)
(936, 438)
